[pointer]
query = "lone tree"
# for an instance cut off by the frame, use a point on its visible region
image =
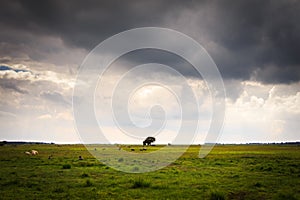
(148, 140)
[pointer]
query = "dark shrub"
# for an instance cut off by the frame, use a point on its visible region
(84, 175)
(66, 166)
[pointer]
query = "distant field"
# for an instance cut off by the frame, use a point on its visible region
(228, 172)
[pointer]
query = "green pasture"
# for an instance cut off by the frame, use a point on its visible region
(228, 172)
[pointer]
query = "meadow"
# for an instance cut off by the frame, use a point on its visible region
(228, 172)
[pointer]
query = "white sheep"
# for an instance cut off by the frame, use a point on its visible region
(34, 152)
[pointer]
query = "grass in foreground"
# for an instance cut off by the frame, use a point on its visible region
(228, 172)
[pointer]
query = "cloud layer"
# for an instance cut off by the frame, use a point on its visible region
(247, 39)
(255, 45)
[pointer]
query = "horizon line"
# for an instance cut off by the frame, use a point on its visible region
(208, 143)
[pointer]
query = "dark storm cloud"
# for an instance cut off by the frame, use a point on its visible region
(262, 36)
(144, 56)
(80, 23)
(254, 39)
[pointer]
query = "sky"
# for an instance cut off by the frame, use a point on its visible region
(255, 45)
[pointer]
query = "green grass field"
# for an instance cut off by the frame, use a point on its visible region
(228, 172)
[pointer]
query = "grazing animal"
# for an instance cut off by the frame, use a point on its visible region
(132, 149)
(34, 152)
(148, 141)
(27, 153)
(80, 158)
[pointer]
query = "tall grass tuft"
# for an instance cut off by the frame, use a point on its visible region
(88, 183)
(141, 183)
(217, 196)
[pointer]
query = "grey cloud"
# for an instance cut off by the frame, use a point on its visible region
(254, 39)
(260, 34)
(55, 97)
(79, 23)
(247, 36)
(9, 83)
(5, 60)
(12, 85)
(145, 56)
